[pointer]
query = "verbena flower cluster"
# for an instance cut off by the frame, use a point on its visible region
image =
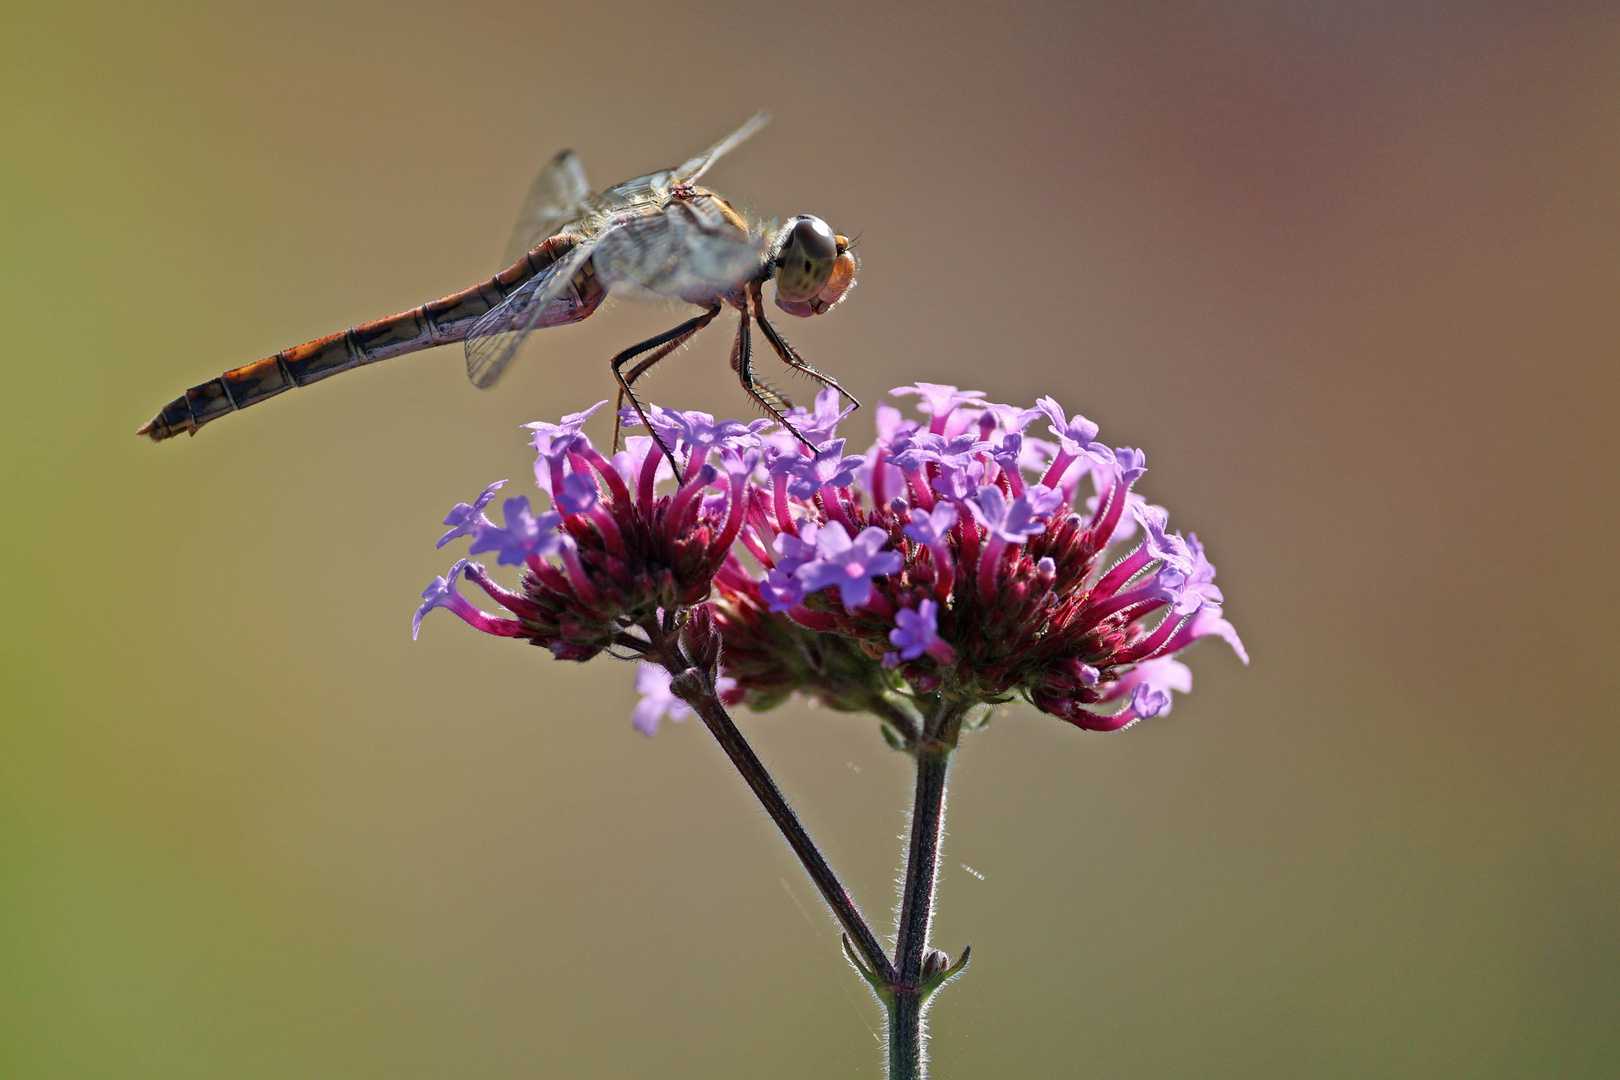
(959, 555)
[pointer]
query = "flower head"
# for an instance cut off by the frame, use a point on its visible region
(954, 569)
(958, 556)
(614, 549)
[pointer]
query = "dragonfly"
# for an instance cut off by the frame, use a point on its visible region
(658, 237)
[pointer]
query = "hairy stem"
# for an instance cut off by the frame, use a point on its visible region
(697, 689)
(907, 1001)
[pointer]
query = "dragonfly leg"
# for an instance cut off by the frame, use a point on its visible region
(790, 356)
(763, 394)
(663, 344)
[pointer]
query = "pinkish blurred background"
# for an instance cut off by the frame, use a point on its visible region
(1347, 272)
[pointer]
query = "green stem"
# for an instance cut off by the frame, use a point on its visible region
(907, 999)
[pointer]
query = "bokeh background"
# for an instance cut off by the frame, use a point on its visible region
(1347, 272)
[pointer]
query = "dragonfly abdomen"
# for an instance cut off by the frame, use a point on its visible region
(439, 322)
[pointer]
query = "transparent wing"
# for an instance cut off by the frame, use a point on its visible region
(686, 250)
(547, 299)
(558, 196)
(655, 186)
(699, 165)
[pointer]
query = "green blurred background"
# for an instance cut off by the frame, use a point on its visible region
(1348, 273)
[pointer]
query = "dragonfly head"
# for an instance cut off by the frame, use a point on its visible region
(814, 267)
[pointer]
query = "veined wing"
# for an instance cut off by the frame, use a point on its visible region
(547, 299)
(558, 196)
(640, 241)
(655, 186)
(692, 249)
(696, 167)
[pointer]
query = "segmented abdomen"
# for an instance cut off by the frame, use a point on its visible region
(437, 323)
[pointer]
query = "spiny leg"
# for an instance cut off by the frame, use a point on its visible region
(664, 343)
(790, 356)
(635, 373)
(764, 396)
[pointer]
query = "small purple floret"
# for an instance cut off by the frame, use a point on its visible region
(917, 632)
(1078, 435)
(932, 526)
(1130, 463)
(465, 518)
(578, 495)
(821, 425)
(938, 398)
(441, 592)
(848, 564)
(657, 700)
(545, 433)
(1148, 701)
(1168, 547)
(809, 475)
(524, 534)
(698, 430)
(1018, 520)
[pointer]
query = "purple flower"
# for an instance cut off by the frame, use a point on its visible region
(1148, 686)
(545, 434)
(958, 484)
(657, 700)
(442, 593)
(931, 526)
(1077, 435)
(1190, 586)
(698, 430)
(891, 424)
(1148, 700)
(917, 632)
(1027, 598)
(1209, 621)
(795, 551)
(1130, 464)
(781, 589)
(1202, 575)
(1015, 521)
(1165, 673)
(810, 475)
(1010, 453)
(924, 447)
(465, 519)
(578, 495)
(1077, 439)
(524, 534)
(1011, 419)
(848, 564)
(938, 399)
(820, 426)
(1166, 546)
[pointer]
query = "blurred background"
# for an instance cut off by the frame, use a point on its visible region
(1347, 272)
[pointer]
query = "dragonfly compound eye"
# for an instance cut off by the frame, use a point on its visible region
(805, 259)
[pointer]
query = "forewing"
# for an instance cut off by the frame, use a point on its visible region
(558, 196)
(699, 165)
(686, 250)
(543, 300)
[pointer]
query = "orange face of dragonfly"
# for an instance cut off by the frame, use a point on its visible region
(658, 236)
